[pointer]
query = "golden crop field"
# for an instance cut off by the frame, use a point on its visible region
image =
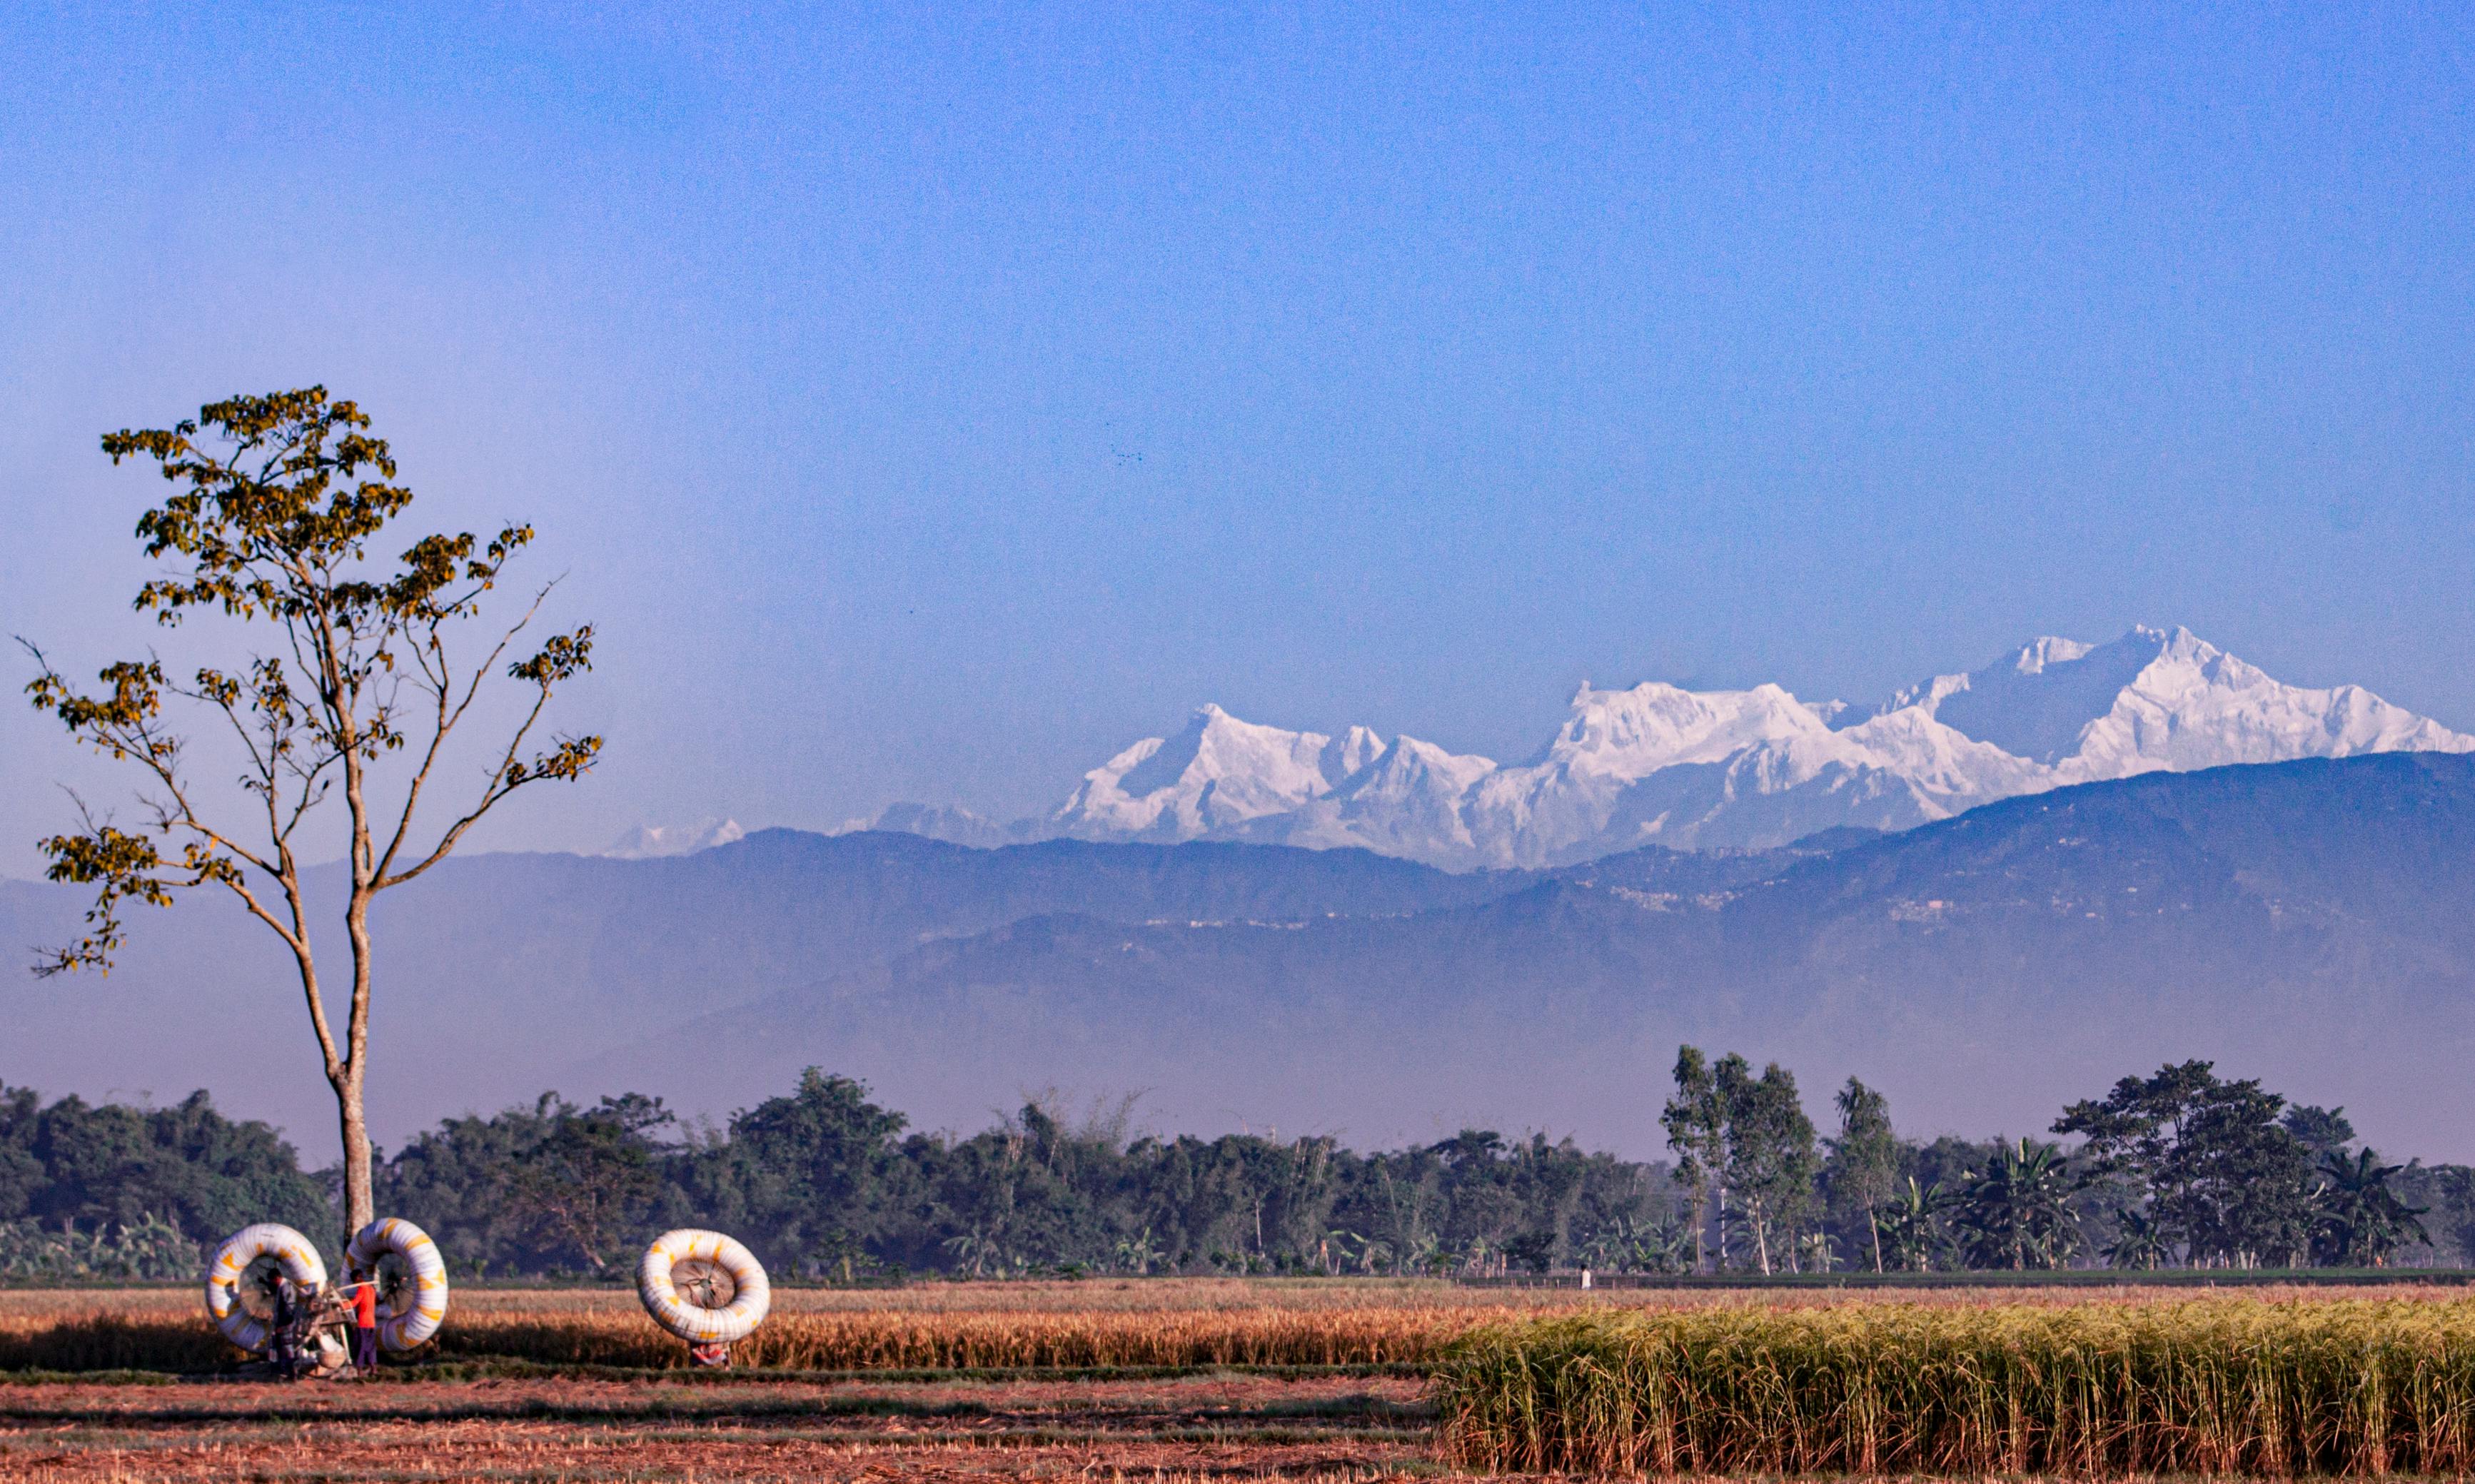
(931, 1327)
(2233, 1386)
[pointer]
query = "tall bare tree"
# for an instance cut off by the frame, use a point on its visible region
(350, 684)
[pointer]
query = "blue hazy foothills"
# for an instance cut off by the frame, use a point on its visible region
(927, 402)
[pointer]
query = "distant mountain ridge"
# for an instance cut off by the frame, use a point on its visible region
(2313, 922)
(1660, 764)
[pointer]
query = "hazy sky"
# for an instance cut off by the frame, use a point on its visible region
(926, 404)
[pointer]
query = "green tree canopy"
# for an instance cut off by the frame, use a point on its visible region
(2221, 1173)
(1862, 1172)
(346, 680)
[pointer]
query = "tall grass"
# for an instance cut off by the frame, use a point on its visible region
(2218, 1386)
(871, 1341)
(166, 1331)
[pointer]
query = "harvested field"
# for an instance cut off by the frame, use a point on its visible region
(1336, 1429)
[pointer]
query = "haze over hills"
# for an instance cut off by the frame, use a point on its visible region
(1658, 763)
(2313, 922)
(2309, 922)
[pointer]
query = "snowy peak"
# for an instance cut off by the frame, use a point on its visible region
(1411, 769)
(2037, 654)
(1940, 759)
(1219, 772)
(1632, 734)
(2162, 698)
(1407, 801)
(2035, 704)
(2194, 706)
(1660, 764)
(1348, 753)
(935, 821)
(646, 841)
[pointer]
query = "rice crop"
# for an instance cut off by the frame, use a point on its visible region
(932, 1328)
(1157, 1322)
(2196, 1387)
(898, 1341)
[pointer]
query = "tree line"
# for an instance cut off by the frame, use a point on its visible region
(823, 1182)
(2180, 1168)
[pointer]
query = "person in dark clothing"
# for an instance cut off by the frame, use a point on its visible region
(279, 1327)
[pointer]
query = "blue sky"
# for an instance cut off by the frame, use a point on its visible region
(926, 403)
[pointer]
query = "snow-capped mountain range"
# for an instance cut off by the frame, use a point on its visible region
(646, 842)
(1659, 765)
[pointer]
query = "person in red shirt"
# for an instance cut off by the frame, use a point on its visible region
(362, 1294)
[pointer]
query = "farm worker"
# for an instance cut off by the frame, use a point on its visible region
(292, 1342)
(278, 1336)
(363, 1296)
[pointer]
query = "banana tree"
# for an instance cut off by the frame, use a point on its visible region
(2362, 1220)
(2015, 1213)
(2138, 1242)
(1911, 1225)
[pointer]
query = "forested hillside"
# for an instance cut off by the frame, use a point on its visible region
(2311, 922)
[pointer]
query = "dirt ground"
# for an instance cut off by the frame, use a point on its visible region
(1335, 1429)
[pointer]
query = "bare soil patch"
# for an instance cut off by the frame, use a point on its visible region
(1205, 1426)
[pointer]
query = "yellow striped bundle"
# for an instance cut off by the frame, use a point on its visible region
(2220, 1386)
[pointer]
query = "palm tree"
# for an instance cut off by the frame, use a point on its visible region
(2362, 1220)
(2015, 1213)
(2138, 1242)
(1911, 1231)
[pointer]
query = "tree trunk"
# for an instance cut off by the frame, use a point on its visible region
(360, 1209)
(1700, 1226)
(356, 1131)
(1874, 1225)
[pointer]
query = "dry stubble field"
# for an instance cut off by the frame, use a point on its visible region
(1151, 1380)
